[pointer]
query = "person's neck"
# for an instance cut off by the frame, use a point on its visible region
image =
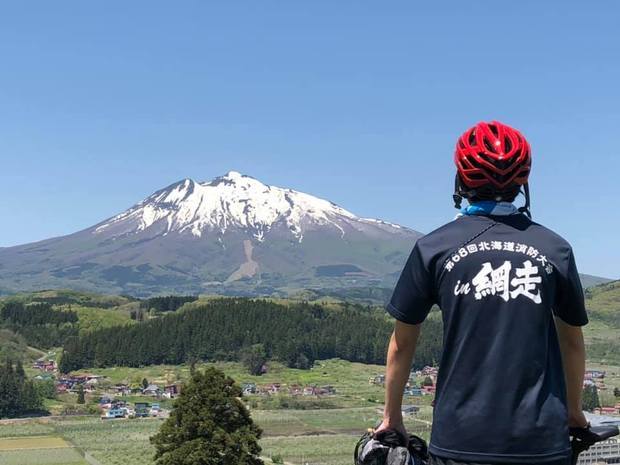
(490, 207)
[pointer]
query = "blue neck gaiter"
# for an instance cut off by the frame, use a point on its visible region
(489, 207)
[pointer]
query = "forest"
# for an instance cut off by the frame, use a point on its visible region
(18, 395)
(223, 329)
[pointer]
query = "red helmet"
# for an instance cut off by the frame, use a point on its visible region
(492, 155)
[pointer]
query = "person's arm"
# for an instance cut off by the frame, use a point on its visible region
(574, 361)
(399, 359)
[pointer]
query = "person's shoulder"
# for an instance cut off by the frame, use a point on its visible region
(447, 234)
(550, 234)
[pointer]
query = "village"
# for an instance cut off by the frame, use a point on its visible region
(113, 398)
(146, 399)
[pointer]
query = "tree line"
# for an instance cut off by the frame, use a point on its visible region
(169, 303)
(18, 395)
(39, 324)
(224, 329)
(35, 314)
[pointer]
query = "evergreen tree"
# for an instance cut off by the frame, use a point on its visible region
(302, 362)
(209, 425)
(19, 371)
(590, 398)
(145, 383)
(616, 392)
(81, 399)
(17, 394)
(254, 358)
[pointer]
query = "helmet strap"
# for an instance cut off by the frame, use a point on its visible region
(526, 208)
(457, 197)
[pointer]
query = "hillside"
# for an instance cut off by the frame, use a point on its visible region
(588, 280)
(96, 312)
(232, 235)
(603, 304)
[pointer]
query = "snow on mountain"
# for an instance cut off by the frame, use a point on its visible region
(233, 201)
(233, 235)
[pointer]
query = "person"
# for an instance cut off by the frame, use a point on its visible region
(511, 372)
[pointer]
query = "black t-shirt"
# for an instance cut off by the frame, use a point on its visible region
(501, 395)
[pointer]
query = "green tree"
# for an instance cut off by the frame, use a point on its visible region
(81, 398)
(209, 425)
(302, 362)
(616, 392)
(590, 398)
(428, 381)
(253, 358)
(19, 371)
(145, 383)
(46, 389)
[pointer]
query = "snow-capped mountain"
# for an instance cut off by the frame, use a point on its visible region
(232, 201)
(232, 234)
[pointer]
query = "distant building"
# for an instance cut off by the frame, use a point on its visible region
(415, 391)
(378, 379)
(410, 410)
(122, 389)
(607, 410)
(594, 374)
(172, 390)
(152, 390)
(601, 453)
(143, 409)
(248, 388)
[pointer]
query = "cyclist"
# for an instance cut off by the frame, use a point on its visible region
(511, 373)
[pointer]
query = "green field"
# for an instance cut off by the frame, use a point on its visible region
(299, 436)
(44, 450)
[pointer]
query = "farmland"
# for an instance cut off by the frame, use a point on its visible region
(45, 450)
(315, 436)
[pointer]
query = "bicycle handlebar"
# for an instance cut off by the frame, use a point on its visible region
(584, 438)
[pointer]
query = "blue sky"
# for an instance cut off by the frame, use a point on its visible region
(101, 103)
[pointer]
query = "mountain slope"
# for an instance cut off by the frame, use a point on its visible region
(603, 304)
(232, 235)
(590, 281)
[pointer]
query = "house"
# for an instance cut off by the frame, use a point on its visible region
(414, 391)
(429, 371)
(172, 390)
(114, 412)
(61, 389)
(44, 377)
(428, 390)
(325, 390)
(152, 390)
(378, 379)
(248, 388)
(410, 409)
(142, 409)
(274, 388)
(155, 410)
(594, 374)
(309, 391)
(607, 411)
(122, 389)
(104, 400)
(295, 390)
(45, 365)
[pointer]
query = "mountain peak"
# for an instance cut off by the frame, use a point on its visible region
(234, 202)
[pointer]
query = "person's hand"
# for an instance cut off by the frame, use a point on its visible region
(393, 425)
(577, 420)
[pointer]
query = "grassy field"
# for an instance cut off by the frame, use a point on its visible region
(39, 450)
(299, 436)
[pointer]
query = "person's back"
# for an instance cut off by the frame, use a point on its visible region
(498, 278)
